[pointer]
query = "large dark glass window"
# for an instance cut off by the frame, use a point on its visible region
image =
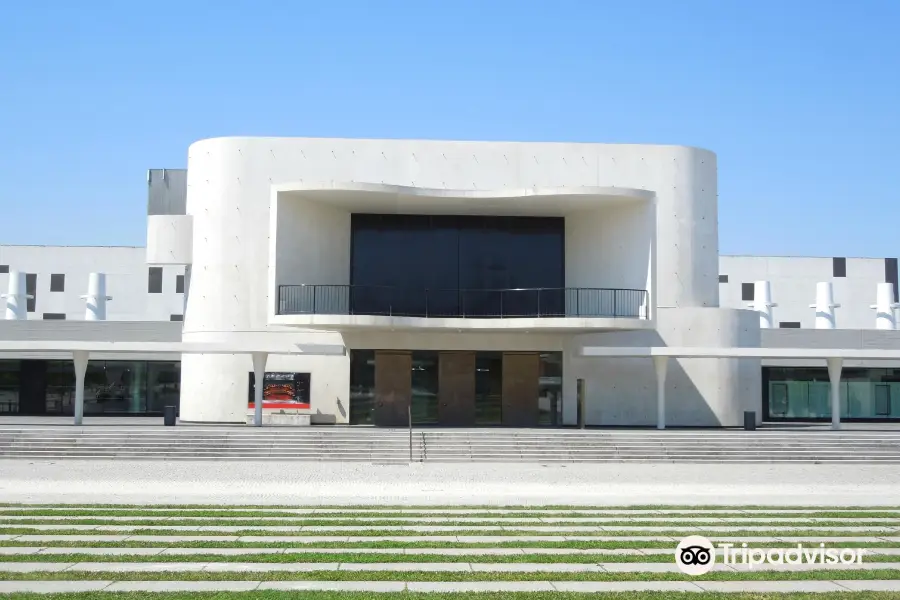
(474, 266)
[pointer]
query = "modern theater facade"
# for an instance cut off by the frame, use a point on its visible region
(462, 277)
(462, 283)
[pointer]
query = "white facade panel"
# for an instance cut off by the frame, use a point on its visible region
(793, 282)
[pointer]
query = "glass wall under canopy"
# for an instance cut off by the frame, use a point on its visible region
(804, 393)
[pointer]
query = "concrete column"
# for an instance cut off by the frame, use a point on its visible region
(80, 357)
(885, 307)
(825, 305)
(16, 298)
(834, 376)
(762, 302)
(95, 309)
(259, 375)
(660, 364)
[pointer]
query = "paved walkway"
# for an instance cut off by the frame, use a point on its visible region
(312, 484)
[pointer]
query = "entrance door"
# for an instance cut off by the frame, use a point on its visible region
(393, 388)
(456, 385)
(521, 388)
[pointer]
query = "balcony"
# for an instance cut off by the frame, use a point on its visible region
(537, 308)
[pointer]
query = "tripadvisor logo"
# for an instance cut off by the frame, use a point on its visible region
(696, 555)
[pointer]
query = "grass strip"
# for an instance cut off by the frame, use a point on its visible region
(220, 513)
(448, 522)
(508, 532)
(315, 595)
(625, 543)
(350, 557)
(407, 575)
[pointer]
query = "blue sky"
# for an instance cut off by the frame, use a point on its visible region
(800, 99)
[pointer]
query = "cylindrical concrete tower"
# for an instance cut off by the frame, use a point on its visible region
(16, 298)
(825, 305)
(885, 307)
(762, 302)
(95, 309)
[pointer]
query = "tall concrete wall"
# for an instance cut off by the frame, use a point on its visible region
(230, 182)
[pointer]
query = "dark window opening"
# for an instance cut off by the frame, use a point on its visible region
(57, 283)
(418, 265)
(176, 317)
(31, 291)
(747, 292)
(54, 316)
(789, 325)
(890, 276)
(179, 284)
(839, 267)
(154, 284)
(723, 278)
(4, 268)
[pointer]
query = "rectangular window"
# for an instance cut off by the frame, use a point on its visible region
(890, 276)
(54, 316)
(789, 325)
(176, 317)
(154, 283)
(57, 283)
(723, 278)
(747, 292)
(31, 291)
(179, 284)
(839, 267)
(4, 268)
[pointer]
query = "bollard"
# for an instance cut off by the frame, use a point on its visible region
(750, 420)
(169, 416)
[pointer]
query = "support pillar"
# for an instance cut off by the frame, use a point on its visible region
(825, 305)
(16, 298)
(660, 364)
(834, 376)
(885, 307)
(80, 358)
(259, 376)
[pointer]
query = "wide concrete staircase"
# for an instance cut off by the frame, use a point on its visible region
(447, 445)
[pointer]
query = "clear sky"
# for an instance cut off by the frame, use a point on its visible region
(800, 99)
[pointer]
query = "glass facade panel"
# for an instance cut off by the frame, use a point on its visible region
(163, 385)
(415, 265)
(488, 388)
(550, 400)
(60, 395)
(805, 393)
(362, 386)
(9, 386)
(37, 387)
(424, 388)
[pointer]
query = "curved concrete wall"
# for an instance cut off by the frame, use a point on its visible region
(170, 239)
(230, 191)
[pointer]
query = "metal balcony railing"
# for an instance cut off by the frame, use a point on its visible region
(319, 299)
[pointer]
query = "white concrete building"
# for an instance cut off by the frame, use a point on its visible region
(464, 278)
